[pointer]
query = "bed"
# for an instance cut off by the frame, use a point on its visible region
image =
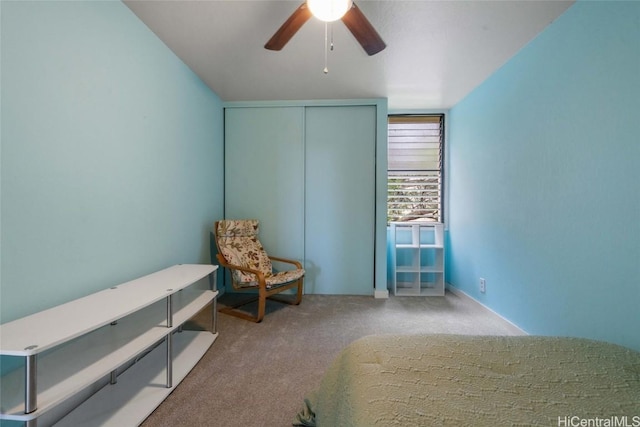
(477, 380)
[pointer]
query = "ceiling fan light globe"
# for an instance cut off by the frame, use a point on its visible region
(329, 10)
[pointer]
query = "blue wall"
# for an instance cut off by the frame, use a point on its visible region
(111, 154)
(544, 196)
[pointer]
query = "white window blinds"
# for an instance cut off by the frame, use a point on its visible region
(415, 159)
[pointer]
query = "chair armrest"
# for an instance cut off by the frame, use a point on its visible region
(287, 260)
(259, 274)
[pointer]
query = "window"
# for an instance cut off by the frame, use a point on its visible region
(415, 170)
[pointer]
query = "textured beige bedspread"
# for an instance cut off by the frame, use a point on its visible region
(476, 381)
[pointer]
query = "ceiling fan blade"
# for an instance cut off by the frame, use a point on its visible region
(289, 28)
(363, 31)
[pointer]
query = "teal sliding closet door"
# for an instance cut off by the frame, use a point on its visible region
(340, 146)
(264, 174)
(308, 174)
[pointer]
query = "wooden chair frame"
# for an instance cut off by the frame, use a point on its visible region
(263, 291)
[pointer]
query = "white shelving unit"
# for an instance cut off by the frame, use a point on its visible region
(417, 258)
(130, 334)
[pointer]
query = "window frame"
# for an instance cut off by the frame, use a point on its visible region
(439, 172)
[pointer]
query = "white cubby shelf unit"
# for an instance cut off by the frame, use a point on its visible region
(417, 258)
(109, 358)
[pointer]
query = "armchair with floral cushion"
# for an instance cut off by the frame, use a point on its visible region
(240, 251)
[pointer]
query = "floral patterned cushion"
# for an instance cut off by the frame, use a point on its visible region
(283, 277)
(239, 244)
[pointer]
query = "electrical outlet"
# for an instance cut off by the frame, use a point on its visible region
(483, 285)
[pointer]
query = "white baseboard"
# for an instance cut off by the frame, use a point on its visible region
(463, 294)
(381, 294)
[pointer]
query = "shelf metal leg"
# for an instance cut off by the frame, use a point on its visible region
(212, 280)
(30, 384)
(114, 374)
(170, 311)
(214, 316)
(169, 340)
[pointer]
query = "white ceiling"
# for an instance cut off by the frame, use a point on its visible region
(437, 51)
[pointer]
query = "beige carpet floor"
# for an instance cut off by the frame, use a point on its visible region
(257, 375)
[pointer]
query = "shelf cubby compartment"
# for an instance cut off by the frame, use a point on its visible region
(417, 258)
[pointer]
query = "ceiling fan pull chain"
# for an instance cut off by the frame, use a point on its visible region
(331, 24)
(326, 68)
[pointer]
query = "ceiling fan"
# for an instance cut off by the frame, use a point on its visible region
(346, 10)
